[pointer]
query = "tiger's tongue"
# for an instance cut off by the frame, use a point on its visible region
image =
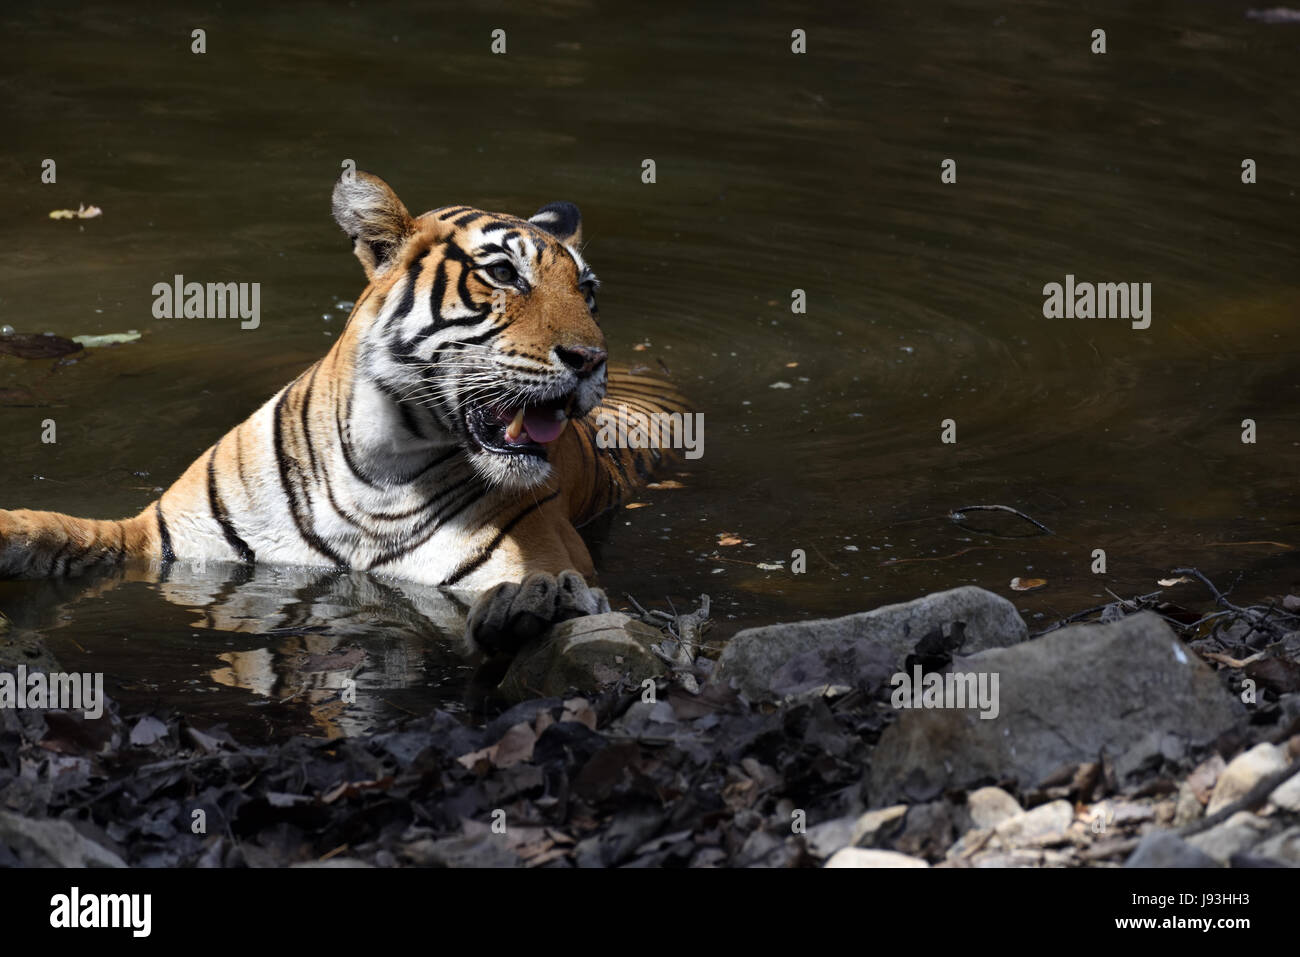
(538, 425)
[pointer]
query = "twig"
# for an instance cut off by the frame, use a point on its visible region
(1219, 596)
(957, 514)
(1263, 542)
(941, 558)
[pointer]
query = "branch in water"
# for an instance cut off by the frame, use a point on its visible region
(958, 515)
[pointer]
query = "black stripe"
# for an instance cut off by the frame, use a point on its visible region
(438, 294)
(429, 527)
(168, 556)
(346, 446)
(222, 516)
(483, 556)
(308, 536)
(462, 287)
(306, 423)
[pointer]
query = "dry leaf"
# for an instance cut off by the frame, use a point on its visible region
(792, 365)
(353, 788)
(1166, 582)
(729, 538)
(641, 347)
(636, 505)
(81, 212)
(579, 710)
(515, 745)
(1027, 584)
(670, 483)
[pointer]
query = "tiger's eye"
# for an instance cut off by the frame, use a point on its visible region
(503, 272)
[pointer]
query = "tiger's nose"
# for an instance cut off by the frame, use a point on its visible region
(581, 359)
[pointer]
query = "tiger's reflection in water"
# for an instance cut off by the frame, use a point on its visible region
(306, 650)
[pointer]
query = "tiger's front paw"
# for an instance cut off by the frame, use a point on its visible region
(511, 613)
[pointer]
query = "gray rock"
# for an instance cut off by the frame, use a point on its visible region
(1166, 849)
(1148, 753)
(1236, 835)
(334, 863)
(1244, 772)
(1283, 848)
(24, 648)
(826, 838)
(837, 667)
(1287, 796)
(1045, 825)
(46, 843)
(1188, 807)
(476, 850)
(867, 857)
(874, 823)
(928, 830)
(989, 807)
(755, 656)
(1064, 699)
(585, 654)
(1001, 860)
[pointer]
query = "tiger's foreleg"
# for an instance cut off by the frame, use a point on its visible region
(45, 544)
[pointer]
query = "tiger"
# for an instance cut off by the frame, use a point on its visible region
(449, 437)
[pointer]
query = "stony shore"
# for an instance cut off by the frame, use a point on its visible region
(935, 733)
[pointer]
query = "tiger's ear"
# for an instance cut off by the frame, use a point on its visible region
(561, 220)
(373, 217)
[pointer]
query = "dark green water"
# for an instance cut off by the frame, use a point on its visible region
(775, 172)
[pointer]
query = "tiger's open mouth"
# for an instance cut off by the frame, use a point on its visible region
(520, 429)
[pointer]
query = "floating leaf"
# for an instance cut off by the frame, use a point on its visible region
(636, 505)
(81, 212)
(109, 339)
(1166, 582)
(1027, 584)
(670, 483)
(729, 538)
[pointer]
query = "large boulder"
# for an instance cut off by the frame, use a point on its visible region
(584, 654)
(46, 843)
(1065, 698)
(753, 659)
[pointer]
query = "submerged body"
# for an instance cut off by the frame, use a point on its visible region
(448, 437)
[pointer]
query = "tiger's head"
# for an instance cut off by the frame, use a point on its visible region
(481, 327)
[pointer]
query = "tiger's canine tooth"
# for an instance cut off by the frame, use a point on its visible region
(517, 426)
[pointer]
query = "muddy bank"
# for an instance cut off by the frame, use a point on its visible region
(934, 733)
